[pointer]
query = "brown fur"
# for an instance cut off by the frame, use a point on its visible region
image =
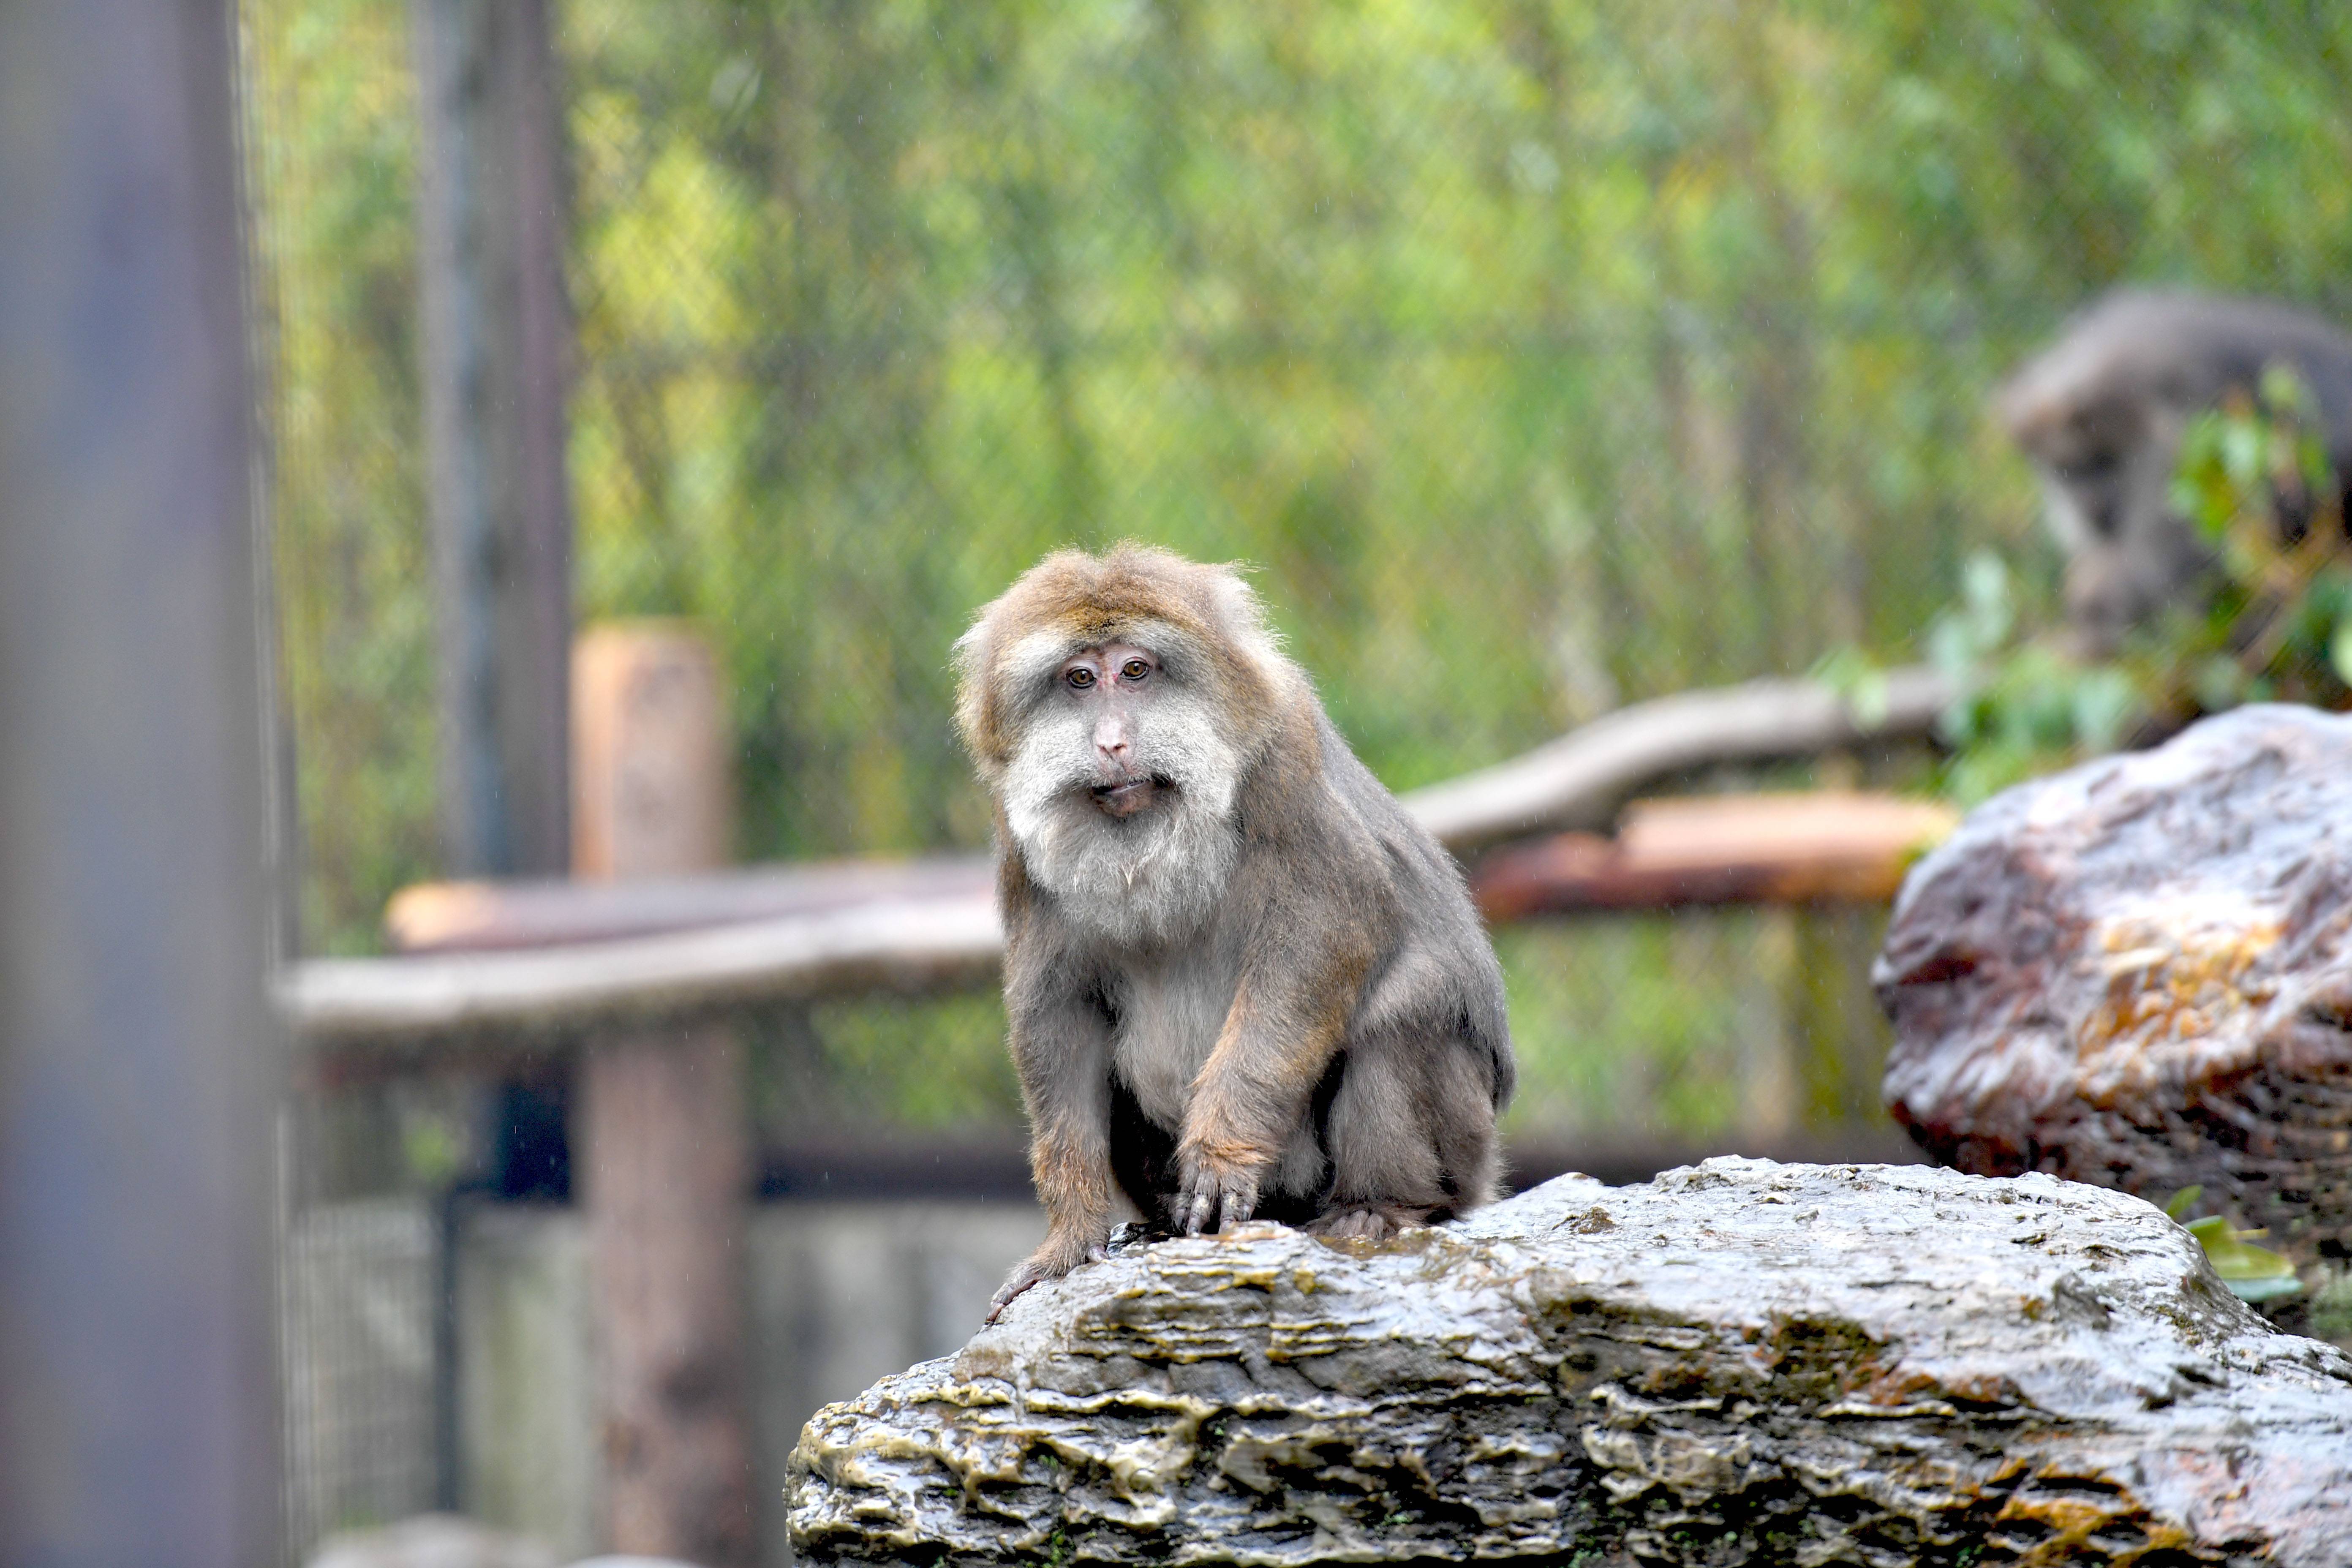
(1099, 599)
(1267, 994)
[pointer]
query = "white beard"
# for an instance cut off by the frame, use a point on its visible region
(1148, 878)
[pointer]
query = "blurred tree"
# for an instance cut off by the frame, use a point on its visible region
(1542, 355)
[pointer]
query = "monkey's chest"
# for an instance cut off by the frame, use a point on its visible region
(1169, 1019)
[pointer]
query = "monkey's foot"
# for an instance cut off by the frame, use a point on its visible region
(1048, 1262)
(1212, 1197)
(1370, 1222)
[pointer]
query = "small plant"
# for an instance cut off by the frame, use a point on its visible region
(2252, 1273)
(2331, 1306)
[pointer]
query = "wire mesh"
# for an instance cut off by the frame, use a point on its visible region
(1539, 356)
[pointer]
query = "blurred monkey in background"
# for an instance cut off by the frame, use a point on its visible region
(2101, 412)
(1241, 981)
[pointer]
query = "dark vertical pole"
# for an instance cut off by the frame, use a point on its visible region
(138, 1062)
(497, 337)
(497, 343)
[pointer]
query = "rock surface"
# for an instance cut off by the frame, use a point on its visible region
(1737, 1363)
(2139, 973)
(431, 1540)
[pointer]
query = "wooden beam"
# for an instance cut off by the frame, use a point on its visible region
(544, 957)
(484, 917)
(386, 1003)
(665, 1124)
(1710, 850)
(1725, 849)
(1580, 780)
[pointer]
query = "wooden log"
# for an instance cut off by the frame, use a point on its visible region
(941, 930)
(388, 1005)
(665, 1126)
(1582, 779)
(1730, 849)
(480, 916)
(630, 950)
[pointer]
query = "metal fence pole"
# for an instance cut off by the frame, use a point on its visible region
(138, 1060)
(497, 333)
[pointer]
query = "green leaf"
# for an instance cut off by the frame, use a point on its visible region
(2339, 647)
(2252, 1273)
(2181, 1201)
(2104, 706)
(2255, 1291)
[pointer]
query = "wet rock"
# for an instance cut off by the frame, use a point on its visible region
(2139, 973)
(1736, 1364)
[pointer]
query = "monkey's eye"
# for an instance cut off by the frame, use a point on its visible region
(1134, 670)
(1080, 678)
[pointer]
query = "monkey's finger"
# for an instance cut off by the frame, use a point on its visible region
(1201, 1212)
(1022, 1278)
(1236, 1203)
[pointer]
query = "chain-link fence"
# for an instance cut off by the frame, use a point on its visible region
(1541, 356)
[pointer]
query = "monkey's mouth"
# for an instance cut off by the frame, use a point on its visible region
(1127, 799)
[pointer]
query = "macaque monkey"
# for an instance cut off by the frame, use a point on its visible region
(2101, 412)
(1241, 981)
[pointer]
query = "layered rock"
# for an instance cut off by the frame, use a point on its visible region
(1740, 1362)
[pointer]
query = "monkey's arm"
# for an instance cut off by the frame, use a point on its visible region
(1061, 1047)
(1313, 948)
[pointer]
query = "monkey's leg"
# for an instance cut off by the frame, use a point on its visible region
(1061, 1047)
(1403, 1105)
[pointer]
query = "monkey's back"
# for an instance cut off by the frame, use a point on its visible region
(1464, 990)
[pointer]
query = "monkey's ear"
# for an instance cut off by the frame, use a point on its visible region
(1240, 615)
(973, 709)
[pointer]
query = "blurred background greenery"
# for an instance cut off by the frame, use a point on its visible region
(1542, 356)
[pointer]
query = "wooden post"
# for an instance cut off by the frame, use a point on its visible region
(665, 1129)
(138, 1059)
(497, 335)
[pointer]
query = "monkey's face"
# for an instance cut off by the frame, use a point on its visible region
(1120, 787)
(1110, 688)
(2105, 474)
(2086, 456)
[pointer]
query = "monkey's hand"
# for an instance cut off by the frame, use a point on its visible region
(1212, 1192)
(1057, 1257)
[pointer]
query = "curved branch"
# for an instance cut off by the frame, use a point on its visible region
(1581, 779)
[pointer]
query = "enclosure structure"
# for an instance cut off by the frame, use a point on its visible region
(1543, 359)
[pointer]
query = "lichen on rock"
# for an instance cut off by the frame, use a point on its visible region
(1737, 1363)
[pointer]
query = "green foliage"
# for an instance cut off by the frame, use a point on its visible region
(1542, 355)
(2253, 478)
(2331, 1306)
(2252, 1273)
